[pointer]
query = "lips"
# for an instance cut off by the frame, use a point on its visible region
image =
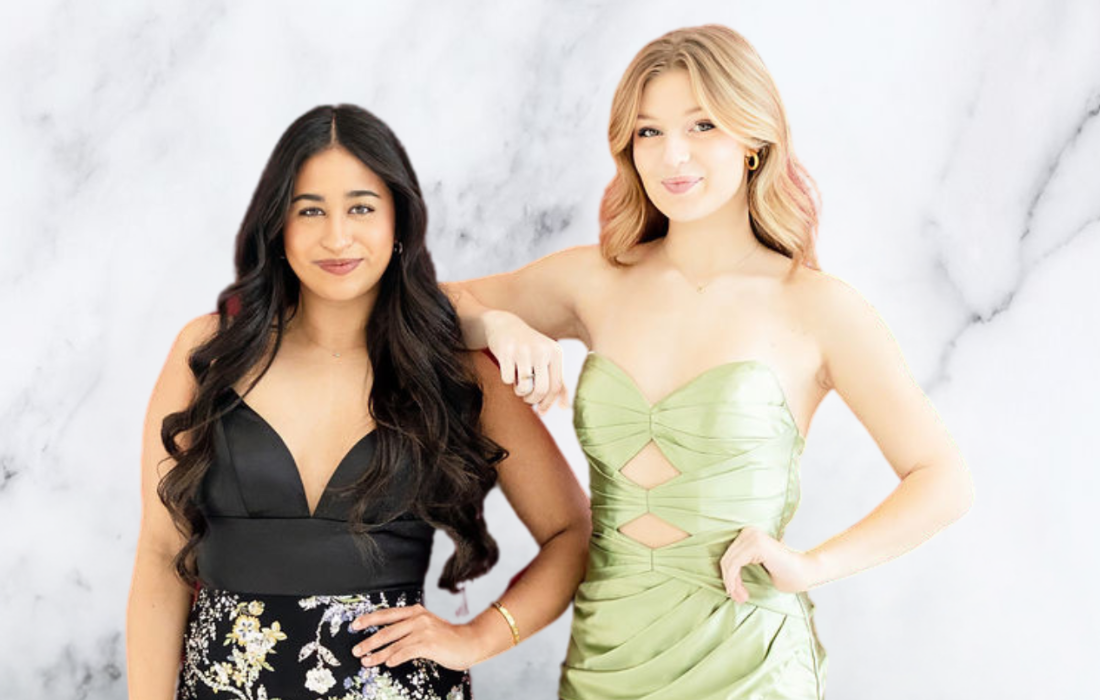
(340, 266)
(679, 185)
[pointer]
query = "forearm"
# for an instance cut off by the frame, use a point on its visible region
(156, 615)
(926, 501)
(539, 596)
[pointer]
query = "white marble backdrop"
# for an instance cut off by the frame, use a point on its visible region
(957, 145)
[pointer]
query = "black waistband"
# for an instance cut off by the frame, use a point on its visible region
(307, 556)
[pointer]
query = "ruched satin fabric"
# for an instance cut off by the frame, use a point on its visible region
(262, 539)
(657, 622)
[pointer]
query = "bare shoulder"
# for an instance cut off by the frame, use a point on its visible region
(175, 382)
(577, 262)
(197, 331)
(574, 277)
(172, 393)
(828, 300)
(637, 253)
(848, 329)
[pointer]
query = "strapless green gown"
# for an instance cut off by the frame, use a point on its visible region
(658, 623)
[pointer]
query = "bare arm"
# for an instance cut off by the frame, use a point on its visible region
(866, 368)
(541, 487)
(518, 316)
(159, 601)
(544, 294)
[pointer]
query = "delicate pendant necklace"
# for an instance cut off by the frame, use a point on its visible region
(335, 353)
(700, 288)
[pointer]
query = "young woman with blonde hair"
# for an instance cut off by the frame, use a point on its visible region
(714, 338)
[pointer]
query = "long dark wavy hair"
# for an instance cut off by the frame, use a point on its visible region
(425, 401)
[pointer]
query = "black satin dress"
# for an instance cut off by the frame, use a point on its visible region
(280, 587)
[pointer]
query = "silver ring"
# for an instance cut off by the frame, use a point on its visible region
(523, 379)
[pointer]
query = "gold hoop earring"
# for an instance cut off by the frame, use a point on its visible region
(753, 161)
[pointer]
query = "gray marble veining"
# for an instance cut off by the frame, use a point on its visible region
(957, 147)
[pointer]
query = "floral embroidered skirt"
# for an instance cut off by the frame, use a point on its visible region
(271, 647)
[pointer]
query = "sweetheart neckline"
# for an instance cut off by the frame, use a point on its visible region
(294, 463)
(694, 380)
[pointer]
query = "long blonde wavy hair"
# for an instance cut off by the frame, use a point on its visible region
(734, 87)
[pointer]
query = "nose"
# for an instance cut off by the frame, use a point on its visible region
(677, 150)
(337, 237)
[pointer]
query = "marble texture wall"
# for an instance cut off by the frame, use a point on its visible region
(957, 146)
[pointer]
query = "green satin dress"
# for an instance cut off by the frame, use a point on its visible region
(657, 622)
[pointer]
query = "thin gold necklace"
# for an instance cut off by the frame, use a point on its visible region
(335, 353)
(700, 288)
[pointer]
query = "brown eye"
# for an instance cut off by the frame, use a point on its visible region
(311, 211)
(360, 209)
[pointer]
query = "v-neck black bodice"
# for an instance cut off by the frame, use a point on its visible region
(261, 537)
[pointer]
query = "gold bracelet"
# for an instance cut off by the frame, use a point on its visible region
(509, 619)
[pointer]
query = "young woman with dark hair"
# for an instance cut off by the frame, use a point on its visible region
(303, 444)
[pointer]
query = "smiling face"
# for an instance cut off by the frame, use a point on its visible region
(689, 167)
(339, 232)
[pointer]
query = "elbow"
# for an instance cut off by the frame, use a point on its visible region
(949, 490)
(569, 549)
(582, 529)
(961, 488)
(577, 518)
(573, 533)
(966, 496)
(582, 521)
(586, 529)
(578, 531)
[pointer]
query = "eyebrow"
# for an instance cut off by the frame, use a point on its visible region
(687, 113)
(349, 195)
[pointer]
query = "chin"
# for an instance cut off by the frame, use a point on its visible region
(685, 213)
(340, 293)
(345, 296)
